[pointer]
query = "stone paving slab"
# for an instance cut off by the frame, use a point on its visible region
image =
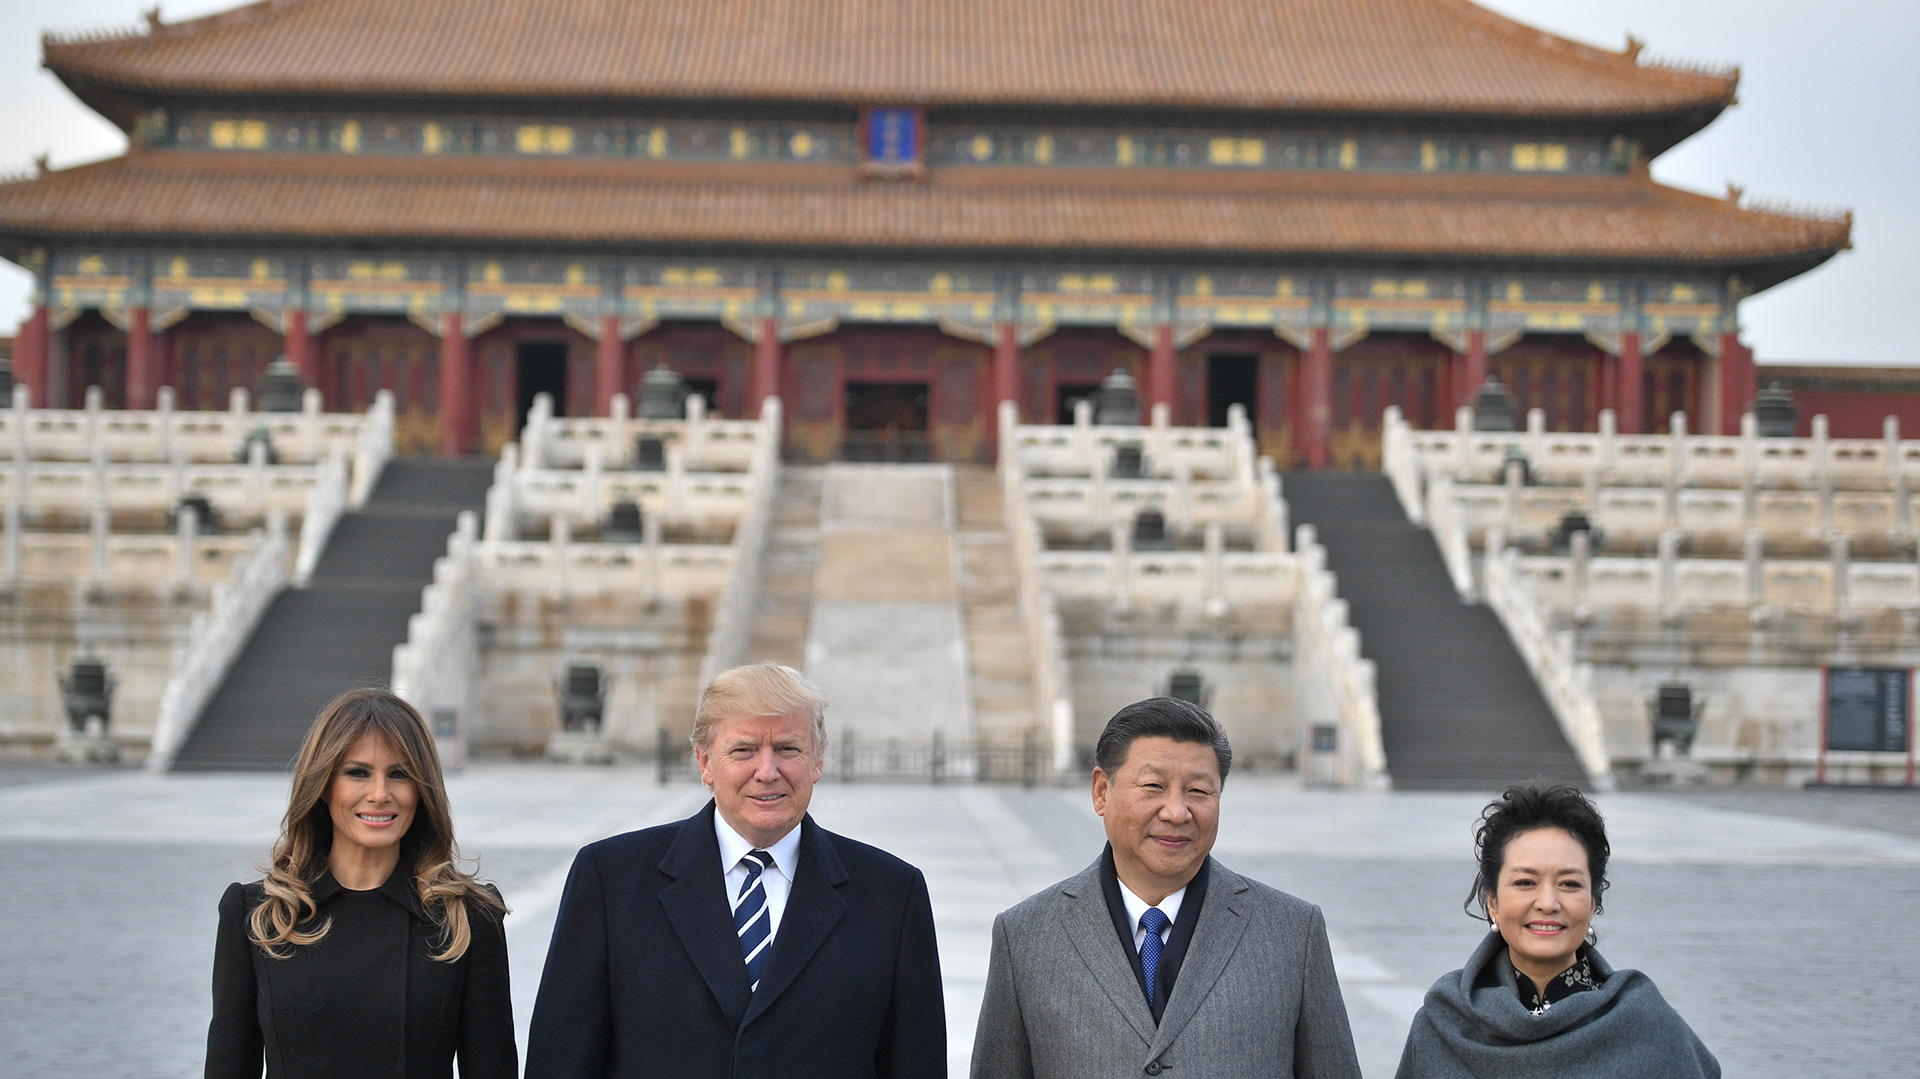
(1749, 921)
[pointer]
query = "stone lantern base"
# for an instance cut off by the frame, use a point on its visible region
(85, 747)
(579, 747)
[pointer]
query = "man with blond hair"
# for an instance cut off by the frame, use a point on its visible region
(746, 940)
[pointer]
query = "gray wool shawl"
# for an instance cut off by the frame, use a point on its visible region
(1623, 1030)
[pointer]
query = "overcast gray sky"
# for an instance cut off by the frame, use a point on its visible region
(1829, 114)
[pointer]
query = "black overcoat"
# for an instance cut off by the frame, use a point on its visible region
(645, 978)
(364, 1002)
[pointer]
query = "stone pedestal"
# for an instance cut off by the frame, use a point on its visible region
(579, 747)
(90, 746)
(1674, 772)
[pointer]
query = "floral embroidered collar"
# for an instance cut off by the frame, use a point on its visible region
(1578, 978)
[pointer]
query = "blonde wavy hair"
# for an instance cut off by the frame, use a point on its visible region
(306, 832)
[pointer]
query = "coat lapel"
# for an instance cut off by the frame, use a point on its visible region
(814, 907)
(697, 908)
(1223, 921)
(1084, 916)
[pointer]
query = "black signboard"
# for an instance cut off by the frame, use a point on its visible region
(1867, 708)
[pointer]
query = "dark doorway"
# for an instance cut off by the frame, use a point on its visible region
(1232, 380)
(709, 391)
(1069, 394)
(887, 421)
(539, 367)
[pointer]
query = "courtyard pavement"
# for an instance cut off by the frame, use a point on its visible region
(1779, 923)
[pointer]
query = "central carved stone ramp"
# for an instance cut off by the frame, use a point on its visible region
(786, 578)
(1000, 674)
(884, 637)
(1459, 710)
(339, 631)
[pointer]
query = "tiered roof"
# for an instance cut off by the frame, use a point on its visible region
(620, 204)
(1370, 56)
(1315, 60)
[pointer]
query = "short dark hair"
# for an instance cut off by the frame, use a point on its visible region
(1160, 717)
(1524, 807)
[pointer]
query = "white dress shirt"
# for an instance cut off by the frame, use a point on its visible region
(1136, 906)
(778, 878)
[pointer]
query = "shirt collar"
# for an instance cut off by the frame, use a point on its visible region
(785, 850)
(398, 888)
(1578, 978)
(1136, 906)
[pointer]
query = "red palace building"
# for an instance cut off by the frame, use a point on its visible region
(894, 214)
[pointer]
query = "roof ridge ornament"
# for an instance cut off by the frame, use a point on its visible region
(152, 14)
(1634, 45)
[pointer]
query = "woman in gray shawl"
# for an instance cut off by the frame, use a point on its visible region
(1535, 998)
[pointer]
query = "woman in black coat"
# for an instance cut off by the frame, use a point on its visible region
(1536, 998)
(366, 951)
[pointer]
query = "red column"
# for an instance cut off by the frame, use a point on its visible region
(30, 355)
(1627, 387)
(1319, 397)
(456, 388)
(1006, 365)
(1736, 382)
(1163, 385)
(1607, 375)
(299, 348)
(609, 365)
(142, 376)
(1473, 371)
(766, 365)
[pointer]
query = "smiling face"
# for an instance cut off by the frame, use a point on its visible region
(1543, 902)
(762, 770)
(1162, 812)
(371, 799)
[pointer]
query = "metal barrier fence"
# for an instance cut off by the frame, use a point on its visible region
(936, 759)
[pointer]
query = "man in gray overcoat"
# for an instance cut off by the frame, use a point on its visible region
(1156, 957)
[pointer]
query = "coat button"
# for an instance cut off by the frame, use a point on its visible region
(1153, 1067)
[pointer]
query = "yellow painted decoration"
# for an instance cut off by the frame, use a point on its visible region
(178, 268)
(981, 310)
(837, 283)
(657, 143)
(1515, 294)
(1250, 152)
(942, 283)
(1596, 293)
(430, 138)
(1383, 287)
(532, 302)
(1203, 285)
(1043, 149)
(1123, 150)
(796, 308)
(528, 139)
(1684, 294)
(91, 264)
(1429, 157)
(491, 274)
(801, 144)
(350, 136)
(1219, 151)
(576, 275)
(1285, 289)
(1553, 157)
(262, 270)
(217, 297)
(981, 147)
(376, 271)
(223, 134)
(253, 134)
(739, 144)
(1349, 154)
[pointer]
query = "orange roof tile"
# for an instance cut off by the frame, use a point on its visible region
(1420, 56)
(596, 205)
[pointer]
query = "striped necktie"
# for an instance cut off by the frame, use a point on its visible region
(751, 918)
(1153, 920)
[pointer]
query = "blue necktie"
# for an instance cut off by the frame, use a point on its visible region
(1154, 920)
(751, 918)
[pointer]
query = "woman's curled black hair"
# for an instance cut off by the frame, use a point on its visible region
(1523, 807)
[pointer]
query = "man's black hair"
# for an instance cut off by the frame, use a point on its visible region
(1160, 717)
